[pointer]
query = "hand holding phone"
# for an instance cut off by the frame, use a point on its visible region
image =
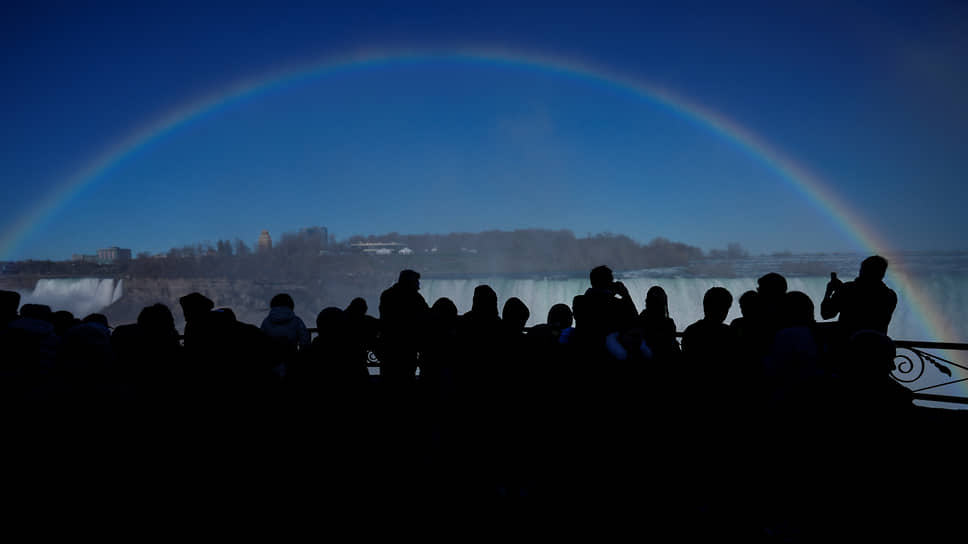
(834, 283)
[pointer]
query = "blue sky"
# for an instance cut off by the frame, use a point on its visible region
(868, 96)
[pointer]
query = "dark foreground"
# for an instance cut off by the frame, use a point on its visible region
(778, 430)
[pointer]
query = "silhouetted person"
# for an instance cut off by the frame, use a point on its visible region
(550, 341)
(709, 350)
(364, 330)
(86, 397)
(403, 316)
(659, 330)
(517, 381)
(403, 311)
(329, 385)
(754, 338)
(195, 307)
(150, 355)
(286, 330)
(63, 320)
(438, 356)
(874, 426)
(559, 319)
(86, 369)
(708, 344)
(663, 372)
(37, 311)
(31, 340)
(356, 307)
(794, 369)
(480, 335)
(745, 326)
(158, 325)
(233, 373)
(772, 286)
(604, 308)
(97, 318)
(338, 366)
(440, 353)
(557, 381)
(770, 289)
(716, 413)
(874, 395)
(9, 304)
(863, 304)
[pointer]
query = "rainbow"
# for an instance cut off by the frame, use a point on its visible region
(800, 178)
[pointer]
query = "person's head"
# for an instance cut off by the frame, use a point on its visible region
(797, 310)
(443, 309)
(716, 303)
(410, 278)
(9, 303)
(100, 319)
(771, 285)
(356, 308)
(157, 319)
(484, 301)
(282, 300)
(194, 305)
(329, 319)
(559, 316)
(656, 301)
(515, 313)
(873, 267)
(37, 311)
(748, 303)
(601, 277)
(63, 320)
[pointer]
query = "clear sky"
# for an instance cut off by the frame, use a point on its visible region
(870, 97)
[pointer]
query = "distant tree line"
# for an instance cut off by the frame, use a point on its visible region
(311, 254)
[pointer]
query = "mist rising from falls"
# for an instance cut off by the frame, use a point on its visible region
(949, 289)
(80, 296)
(686, 293)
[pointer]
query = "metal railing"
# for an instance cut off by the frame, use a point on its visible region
(924, 372)
(917, 369)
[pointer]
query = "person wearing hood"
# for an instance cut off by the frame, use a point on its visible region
(283, 325)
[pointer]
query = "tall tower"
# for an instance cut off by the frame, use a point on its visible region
(265, 241)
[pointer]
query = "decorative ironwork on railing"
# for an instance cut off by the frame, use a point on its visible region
(928, 374)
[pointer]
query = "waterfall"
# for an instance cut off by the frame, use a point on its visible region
(947, 286)
(685, 296)
(80, 296)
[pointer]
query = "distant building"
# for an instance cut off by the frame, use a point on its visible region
(378, 248)
(265, 242)
(321, 233)
(78, 258)
(113, 255)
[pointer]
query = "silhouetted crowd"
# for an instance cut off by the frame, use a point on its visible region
(758, 427)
